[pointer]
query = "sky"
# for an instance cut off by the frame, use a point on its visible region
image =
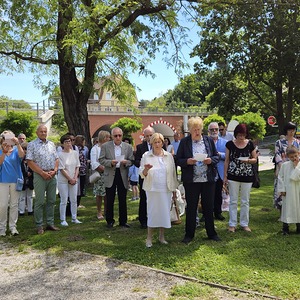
(20, 86)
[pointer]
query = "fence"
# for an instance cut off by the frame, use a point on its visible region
(39, 107)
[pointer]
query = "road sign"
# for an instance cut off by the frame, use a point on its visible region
(271, 120)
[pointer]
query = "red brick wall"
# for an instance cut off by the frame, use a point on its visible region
(97, 121)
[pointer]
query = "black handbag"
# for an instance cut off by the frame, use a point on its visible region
(256, 179)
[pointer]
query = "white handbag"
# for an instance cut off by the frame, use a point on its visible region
(94, 177)
(175, 217)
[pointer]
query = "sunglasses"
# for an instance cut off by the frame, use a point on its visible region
(117, 135)
(213, 129)
(221, 129)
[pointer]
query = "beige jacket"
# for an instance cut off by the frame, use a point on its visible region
(149, 158)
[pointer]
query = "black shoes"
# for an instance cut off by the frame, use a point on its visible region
(125, 225)
(144, 226)
(215, 238)
(219, 217)
(110, 225)
(186, 240)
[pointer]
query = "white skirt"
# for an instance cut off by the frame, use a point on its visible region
(159, 208)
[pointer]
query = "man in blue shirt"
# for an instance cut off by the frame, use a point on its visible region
(176, 142)
(220, 143)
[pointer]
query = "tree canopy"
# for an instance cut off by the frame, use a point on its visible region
(128, 125)
(258, 42)
(85, 40)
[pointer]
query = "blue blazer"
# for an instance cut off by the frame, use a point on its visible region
(185, 151)
(221, 148)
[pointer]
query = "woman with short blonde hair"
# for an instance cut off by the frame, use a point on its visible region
(160, 182)
(198, 176)
(195, 122)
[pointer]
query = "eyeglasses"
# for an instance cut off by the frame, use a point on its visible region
(221, 129)
(213, 129)
(117, 135)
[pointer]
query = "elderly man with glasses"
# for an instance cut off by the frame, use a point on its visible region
(220, 144)
(116, 156)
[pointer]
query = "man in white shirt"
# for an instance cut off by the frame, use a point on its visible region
(116, 156)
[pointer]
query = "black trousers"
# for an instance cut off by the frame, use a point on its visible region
(82, 188)
(110, 200)
(192, 193)
(142, 204)
(218, 197)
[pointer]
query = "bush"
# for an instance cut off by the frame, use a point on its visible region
(20, 122)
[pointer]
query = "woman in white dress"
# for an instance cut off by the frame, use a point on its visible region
(160, 183)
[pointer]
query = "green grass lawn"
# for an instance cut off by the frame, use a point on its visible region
(263, 260)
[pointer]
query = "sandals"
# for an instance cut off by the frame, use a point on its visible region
(148, 243)
(231, 229)
(246, 228)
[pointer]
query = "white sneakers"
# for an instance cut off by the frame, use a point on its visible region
(76, 221)
(14, 231)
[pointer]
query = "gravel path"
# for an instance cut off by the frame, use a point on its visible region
(75, 275)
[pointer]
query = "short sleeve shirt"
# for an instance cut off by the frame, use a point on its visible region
(10, 170)
(237, 170)
(44, 154)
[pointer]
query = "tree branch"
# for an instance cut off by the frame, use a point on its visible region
(255, 92)
(16, 55)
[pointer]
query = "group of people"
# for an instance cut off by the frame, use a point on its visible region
(41, 166)
(209, 163)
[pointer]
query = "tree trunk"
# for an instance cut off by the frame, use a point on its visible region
(290, 103)
(74, 98)
(280, 115)
(74, 104)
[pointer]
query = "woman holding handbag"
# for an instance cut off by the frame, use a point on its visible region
(160, 182)
(10, 174)
(238, 174)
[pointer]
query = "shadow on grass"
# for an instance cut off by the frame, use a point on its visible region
(262, 260)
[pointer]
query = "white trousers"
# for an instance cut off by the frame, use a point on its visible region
(67, 191)
(236, 188)
(9, 198)
(25, 201)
